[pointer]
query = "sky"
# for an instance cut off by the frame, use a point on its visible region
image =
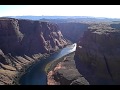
(109, 11)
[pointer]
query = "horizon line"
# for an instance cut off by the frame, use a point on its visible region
(61, 16)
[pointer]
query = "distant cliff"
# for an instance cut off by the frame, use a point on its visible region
(97, 54)
(73, 30)
(24, 41)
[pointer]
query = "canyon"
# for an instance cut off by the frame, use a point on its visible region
(23, 42)
(97, 56)
(95, 62)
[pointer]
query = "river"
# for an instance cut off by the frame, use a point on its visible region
(37, 75)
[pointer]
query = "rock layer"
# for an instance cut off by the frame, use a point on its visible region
(29, 37)
(22, 42)
(97, 54)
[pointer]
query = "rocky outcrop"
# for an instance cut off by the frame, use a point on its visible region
(10, 35)
(65, 73)
(12, 66)
(97, 55)
(22, 42)
(73, 30)
(29, 37)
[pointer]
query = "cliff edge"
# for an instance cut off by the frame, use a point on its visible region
(23, 42)
(97, 54)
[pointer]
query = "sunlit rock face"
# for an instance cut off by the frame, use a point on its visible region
(97, 54)
(29, 37)
(41, 36)
(24, 41)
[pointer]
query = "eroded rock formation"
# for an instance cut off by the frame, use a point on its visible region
(65, 73)
(98, 54)
(24, 41)
(29, 37)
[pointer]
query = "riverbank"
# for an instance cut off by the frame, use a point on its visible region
(65, 72)
(36, 75)
(50, 66)
(26, 69)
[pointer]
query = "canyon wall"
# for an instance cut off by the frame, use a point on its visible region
(24, 41)
(29, 37)
(97, 58)
(73, 30)
(97, 55)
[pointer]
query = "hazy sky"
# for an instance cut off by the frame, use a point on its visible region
(61, 10)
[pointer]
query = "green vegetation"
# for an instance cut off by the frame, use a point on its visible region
(50, 66)
(47, 68)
